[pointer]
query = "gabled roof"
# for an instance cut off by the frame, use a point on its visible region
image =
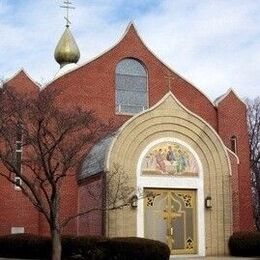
(130, 30)
(24, 76)
(225, 95)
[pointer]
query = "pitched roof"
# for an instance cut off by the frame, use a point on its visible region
(22, 81)
(225, 95)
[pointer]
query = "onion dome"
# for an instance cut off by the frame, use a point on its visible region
(67, 50)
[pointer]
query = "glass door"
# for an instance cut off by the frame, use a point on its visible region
(170, 216)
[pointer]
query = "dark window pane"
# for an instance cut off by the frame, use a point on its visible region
(19, 133)
(18, 161)
(19, 137)
(18, 181)
(18, 146)
(233, 144)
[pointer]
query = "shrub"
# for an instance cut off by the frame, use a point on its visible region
(85, 247)
(100, 248)
(245, 244)
(133, 248)
(25, 246)
(82, 247)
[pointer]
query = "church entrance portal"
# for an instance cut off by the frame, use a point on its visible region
(170, 216)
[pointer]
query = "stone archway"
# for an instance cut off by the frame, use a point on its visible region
(170, 119)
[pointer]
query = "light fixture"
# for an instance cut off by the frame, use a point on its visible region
(133, 201)
(208, 202)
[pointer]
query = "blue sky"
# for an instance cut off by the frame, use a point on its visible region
(215, 44)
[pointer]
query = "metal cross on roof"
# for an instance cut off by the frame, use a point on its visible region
(67, 5)
(169, 77)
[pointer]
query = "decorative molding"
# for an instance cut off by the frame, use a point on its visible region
(229, 162)
(169, 94)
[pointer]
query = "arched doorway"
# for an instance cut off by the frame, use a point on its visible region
(170, 121)
(170, 176)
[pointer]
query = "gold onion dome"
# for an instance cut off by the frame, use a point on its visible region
(67, 50)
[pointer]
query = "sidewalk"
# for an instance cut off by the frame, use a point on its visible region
(189, 258)
(214, 258)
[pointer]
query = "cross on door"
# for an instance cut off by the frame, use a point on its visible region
(169, 215)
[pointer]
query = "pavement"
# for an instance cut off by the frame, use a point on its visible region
(190, 258)
(214, 258)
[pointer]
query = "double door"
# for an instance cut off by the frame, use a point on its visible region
(170, 216)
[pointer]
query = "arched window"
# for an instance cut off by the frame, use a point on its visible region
(131, 87)
(233, 142)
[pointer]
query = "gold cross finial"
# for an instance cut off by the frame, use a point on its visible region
(67, 5)
(169, 78)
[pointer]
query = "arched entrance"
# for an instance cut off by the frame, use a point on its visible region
(170, 175)
(166, 124)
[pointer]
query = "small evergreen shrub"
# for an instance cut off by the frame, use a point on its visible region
(25, 246)
(244, 244)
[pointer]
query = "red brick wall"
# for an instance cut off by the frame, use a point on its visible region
(90, 197)
(93, 85)
(69, 207)
(16, 210)
(68, 204)
(21, 82)
(232, 122)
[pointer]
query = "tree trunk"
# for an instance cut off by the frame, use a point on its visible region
(56, 244)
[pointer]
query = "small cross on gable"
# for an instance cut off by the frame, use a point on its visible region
(169, 78)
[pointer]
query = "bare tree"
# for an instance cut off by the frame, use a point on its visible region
(253, 116)
(41, 143)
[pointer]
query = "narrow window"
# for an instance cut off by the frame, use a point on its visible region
(18, 183)
(233, 141)
(18, 156)
(131, 87)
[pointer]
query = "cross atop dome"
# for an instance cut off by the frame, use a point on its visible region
(68, 6)
(67, 51)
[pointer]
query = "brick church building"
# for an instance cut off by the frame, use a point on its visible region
(171, 140)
